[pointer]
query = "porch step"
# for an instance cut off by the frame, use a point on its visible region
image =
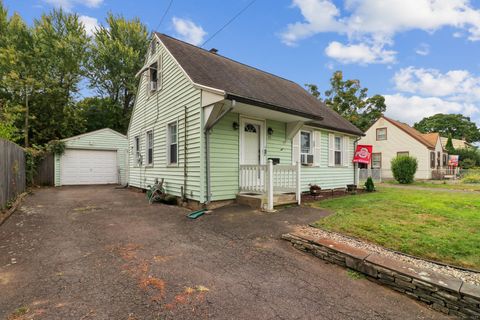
(259, 201)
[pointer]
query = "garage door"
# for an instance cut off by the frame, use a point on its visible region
(88, 167)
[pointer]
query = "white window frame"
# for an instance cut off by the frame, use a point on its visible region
(373, 156)
(148, 147)
(137, 152)
(385, 137)
(311, 147)
(341, 164)
(169, 143)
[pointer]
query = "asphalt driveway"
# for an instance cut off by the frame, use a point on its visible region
(104, 253)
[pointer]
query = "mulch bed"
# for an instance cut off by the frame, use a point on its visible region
(328, 194)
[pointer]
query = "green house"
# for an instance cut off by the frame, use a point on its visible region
(214, 129)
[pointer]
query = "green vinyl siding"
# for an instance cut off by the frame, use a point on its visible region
(154, 112)
(277, 146)
(224, 158)
(328, 177)
(103, 139)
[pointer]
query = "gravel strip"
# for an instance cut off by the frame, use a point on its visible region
(467, 276)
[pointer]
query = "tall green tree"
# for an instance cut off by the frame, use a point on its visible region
(449, 145)
(100, 113)
(351, 101)
(457, 126)
(117, 53)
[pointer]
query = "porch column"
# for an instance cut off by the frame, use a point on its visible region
(270, 185)
(299, 183)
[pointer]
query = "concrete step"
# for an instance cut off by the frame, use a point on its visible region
(259, 201)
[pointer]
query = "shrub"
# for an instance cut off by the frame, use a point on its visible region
(404, 168)
(369, 185)
(469, 157)
(471, 178)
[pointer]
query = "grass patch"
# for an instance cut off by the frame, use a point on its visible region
(436, 225)
(440, 185)
(355, 275)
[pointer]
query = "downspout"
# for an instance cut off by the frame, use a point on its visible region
(207, 132)
(185, 175)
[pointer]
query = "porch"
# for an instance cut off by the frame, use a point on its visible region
(270, 185)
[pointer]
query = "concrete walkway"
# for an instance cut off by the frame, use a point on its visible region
(104, 253)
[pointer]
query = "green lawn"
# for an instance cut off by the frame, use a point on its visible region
(441, 185)
(441, 226)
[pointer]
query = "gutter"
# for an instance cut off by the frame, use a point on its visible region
(269, 106)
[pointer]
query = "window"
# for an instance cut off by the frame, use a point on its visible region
(149, 147)
(403, 154)
(376, 160)
(338, 151)
(432, 159)
(306, 142)
(153, 76)
(172, 143)
(381, 134)
(138, 156)
(445, 159)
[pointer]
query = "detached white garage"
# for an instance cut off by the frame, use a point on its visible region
(97, 157)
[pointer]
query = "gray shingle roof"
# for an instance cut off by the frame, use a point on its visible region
(242, 81)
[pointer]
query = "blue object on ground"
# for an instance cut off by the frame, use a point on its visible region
(196, 214)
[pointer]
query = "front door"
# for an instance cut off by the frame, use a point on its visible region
(252, 146)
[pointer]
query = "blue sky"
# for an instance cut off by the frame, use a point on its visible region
(423, 55)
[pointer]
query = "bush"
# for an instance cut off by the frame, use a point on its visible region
(404, 168)
(471, 178)
(469, 157)
(369, 185)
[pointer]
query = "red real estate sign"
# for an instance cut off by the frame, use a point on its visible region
(363, 154)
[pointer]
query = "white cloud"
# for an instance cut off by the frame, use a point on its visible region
(423, 49)
(189, 31)
(69, 4)
(412, 109)
(376, 22)
(459, 85)
(90, 24)
(359, 53)
(425, 92)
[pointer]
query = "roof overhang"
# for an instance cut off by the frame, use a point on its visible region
(272, 107)
(331, 128)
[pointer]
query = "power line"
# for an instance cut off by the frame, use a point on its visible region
(230, 21)
(164, 15)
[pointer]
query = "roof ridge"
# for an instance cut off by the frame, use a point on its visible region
(227, 58)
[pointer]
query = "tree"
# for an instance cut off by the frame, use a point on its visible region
(449, 145)
(455, 125)
(100, 113)
(117, 53)
(351, 101)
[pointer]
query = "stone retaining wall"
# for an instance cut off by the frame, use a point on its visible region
(443, 293)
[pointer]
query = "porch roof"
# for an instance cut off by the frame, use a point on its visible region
(253, 86)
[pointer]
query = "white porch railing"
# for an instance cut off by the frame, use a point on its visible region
(252, 178)
(271, 179)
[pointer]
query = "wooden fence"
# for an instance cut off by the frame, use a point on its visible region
(12, 171)
(44, 175)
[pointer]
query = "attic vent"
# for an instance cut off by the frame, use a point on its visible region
(213, 50)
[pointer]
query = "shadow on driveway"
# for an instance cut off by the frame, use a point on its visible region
(104, 253)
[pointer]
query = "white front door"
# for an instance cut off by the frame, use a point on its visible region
(251, 141)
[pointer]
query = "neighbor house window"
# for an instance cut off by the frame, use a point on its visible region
(338, 151)
(432, 159)
(445, 159)
(403, 154)
(149, 147)
(138, 156)
(381, 134)
(376, 160)
(172, 143)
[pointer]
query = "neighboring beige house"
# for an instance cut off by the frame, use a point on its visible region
(457, 143)
(391, 138)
